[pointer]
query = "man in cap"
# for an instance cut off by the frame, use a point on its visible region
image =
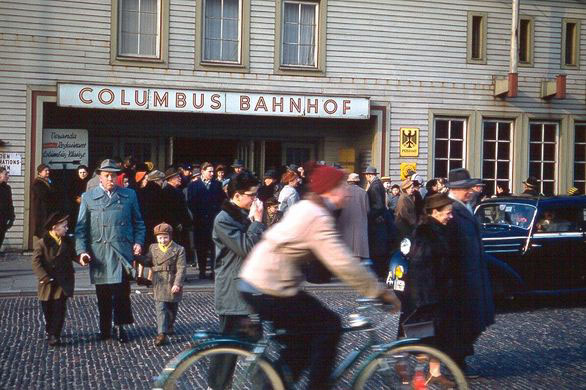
(109, 232)
(472, 310)
(176, 213)
(377, 227)
(531, 187)
(353, 219)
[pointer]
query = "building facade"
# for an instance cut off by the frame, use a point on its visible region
(374, 82)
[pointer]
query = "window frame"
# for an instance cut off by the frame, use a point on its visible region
(530, 43)
(464, 140)
(470, 37)
(555, 161)
(161, 61)
(494, 181)
(243, 64)
(565, 22)
(320, 67)
(580, 184)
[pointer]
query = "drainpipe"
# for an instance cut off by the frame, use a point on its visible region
(513, 69)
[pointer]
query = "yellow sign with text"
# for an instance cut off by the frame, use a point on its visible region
(409, 143)
(406, 167)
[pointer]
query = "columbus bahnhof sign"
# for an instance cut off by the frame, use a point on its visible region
(183, 100)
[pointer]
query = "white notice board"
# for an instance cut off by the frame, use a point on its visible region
(65, 148)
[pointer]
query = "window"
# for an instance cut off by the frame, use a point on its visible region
(526, 40)
(450, 145)
(496, 154)
(543, 155)
(570, 43)
(139, 32)
(580, 157)
(300, 42)
(221, 31)
(476, 50)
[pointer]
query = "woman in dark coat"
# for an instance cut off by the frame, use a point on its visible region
(52, 262)
(77, 188)
(429, 285)
(6, 206)
(44, 200)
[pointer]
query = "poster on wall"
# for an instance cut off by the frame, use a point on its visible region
(409, 142)
(406, 167)
(12, 162)
(65, 148)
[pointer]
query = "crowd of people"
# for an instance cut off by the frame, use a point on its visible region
(260, 240)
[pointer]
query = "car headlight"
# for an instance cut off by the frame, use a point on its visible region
(405, 246)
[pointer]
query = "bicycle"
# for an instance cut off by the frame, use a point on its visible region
(402, 364)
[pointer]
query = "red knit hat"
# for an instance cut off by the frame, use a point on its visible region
(324, 178)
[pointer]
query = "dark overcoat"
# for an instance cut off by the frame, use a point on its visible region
(405, 215)
(44, 201)
(6, 205)
(53, 261)
(152, 208)
(378, 235)
(205, 203)
(234, 237)
(353, 221)
(168, 271)
(474, 306)
(175, 208)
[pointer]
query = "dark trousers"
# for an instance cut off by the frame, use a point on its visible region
(54, 312)
(204, 246)
(313, 333)
(222, 366)
(182, 238)
(114, 297)
(2, 233)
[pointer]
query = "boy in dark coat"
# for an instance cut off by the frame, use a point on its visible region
(167, 262)
(53, 257)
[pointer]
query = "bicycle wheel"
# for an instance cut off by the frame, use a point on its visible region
(220, 367)
(410, 367)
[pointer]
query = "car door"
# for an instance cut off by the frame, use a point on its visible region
(557, 247)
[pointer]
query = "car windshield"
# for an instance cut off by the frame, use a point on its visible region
(509, 214)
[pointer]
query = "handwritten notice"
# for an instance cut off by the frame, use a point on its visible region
(65, 148)
(12, 162)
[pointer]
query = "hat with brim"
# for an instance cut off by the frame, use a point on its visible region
(139, 176)
(437, 201)
(54, 219)
(460, 178)
(353, 178)
(531, 182)
(406, 184)
(171, 173)
(385, 178)
(196, 172)
(155, 175)
(370, 171)
(108, 165)
(237, 164)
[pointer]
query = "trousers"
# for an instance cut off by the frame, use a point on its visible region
(54, 313)
(114, 297)
(166, 315)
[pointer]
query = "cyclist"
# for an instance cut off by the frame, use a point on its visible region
(272, 275)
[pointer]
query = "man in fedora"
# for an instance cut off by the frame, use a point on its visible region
(377, 228)
(237, 166)
(472, 309)
(109, 232)
(531, 187)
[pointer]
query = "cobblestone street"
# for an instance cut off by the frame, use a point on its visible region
(526, 349)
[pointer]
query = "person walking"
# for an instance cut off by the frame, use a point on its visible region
(405, 213)
(289, 194)
(78, 187)
(52, 262)
(378, 237)
(167, 261)
(353, 219)
(176, 213)
(472, 309)
(205, 198)
(109, 232)
(429, 288)
(6, 206)
(234, 236)
(44, 200)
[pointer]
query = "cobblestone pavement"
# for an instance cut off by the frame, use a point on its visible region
(531, 348)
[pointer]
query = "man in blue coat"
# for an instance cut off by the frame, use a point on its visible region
(109, 231)
(472, 308)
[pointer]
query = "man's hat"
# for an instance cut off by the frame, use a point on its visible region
(270, 173)
(437, 201)
(406, 184)
(55, 218)
(272, 201)
(171, 172)
(163, 228)
(531, 182)
(460, 178)
(293, 167)
(155, 175)
(108, 165)
(353, 177)
(370, 171)
(186, 166)
(385, 178)
(195, 172)
(237, 164)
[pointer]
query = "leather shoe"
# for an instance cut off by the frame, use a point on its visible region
(120, 333)
(161, 339)
(53, 340)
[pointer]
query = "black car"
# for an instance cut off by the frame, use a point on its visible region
(535, 245)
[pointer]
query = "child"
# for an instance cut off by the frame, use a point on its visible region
(167, 261)
(53, 257)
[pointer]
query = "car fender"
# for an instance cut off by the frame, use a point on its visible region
(503, 275)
